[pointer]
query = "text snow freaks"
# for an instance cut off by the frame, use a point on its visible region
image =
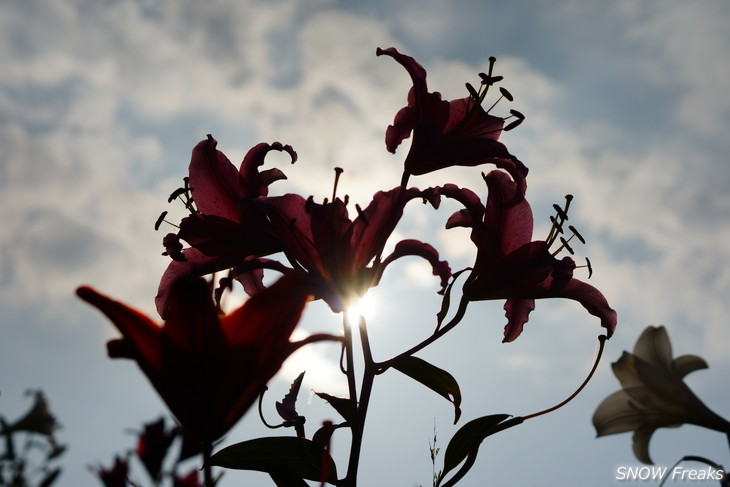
(677, 473)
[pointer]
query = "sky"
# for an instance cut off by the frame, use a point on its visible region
(626, 108)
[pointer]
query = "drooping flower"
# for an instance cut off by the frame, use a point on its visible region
(509, 264)
(38, 419)
(341, 257)
(209, 368)
(227, 226)
(447, 133)
(653, 394)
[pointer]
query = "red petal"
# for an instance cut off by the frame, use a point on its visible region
(139, 331)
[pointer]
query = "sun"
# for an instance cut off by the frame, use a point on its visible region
(364, 306)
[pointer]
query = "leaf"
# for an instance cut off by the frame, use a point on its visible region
(438, 380)
(345, 407)
(50, 478)
(274, 453)
(287, 407)
(467, 439)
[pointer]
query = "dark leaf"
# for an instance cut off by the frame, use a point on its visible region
(274, 453)
(287, 407)
(466, 441)
(50, 478)
(287, 477)
(343, 406)
(438, 380)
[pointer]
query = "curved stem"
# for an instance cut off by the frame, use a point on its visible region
(602, 340)
(383, 366)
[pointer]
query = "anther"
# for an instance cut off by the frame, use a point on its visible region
(565, 246)
(472, 92)
(577, 234)
(506, 94)
(520, 118)
(160, 219)
(561, 213)
(590, 269)
(177, 193)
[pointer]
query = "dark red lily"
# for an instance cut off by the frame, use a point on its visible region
(228, 226)
(227, 221)
(209, 368)
(509, 265)
(446, 133)
(342, 257)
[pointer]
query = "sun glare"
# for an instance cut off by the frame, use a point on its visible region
(365, 307)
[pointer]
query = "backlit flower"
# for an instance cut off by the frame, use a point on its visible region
(653, 394)
(227, 225)
(447, 133)
(209, 368)
(509, 264)
(342, 257)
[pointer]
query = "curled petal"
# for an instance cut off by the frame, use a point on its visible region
(688, 363)
(517, 312)
(414, 247)
(257, 183)
(640, 444)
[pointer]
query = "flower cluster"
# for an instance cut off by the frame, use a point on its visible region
(210, 367)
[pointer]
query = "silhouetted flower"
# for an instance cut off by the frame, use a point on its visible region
(115, 476)
(342, 257)
(446, 133)
(653, 394)
(509, 264)
(209, 368)
(38, 419)
(152, 446)
(227, 226)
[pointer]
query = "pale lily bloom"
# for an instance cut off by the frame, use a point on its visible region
(653, 394)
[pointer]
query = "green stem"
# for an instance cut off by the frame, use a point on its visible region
(358, 426)
(207, 467)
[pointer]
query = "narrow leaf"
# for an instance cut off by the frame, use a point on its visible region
(287, 407)
(467, 439)
(274, 453)
(438, 380)
(344, 406)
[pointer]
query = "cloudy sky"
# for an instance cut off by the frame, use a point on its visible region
(627, 109)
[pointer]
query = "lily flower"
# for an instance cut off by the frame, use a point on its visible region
(653, 394)
(226, 226)
(448, 133)
(209, 368)
(342, 257)
(509, 264)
